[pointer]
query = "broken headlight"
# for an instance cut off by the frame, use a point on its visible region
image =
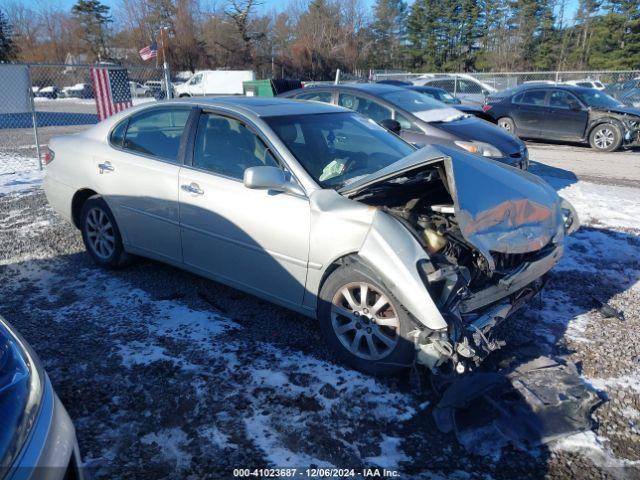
(21, 386)
(480, 148)
(569, 217)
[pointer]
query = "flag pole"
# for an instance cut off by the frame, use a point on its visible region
(165, 65)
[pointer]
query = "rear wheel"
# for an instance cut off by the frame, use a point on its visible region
(101, 235)
(363, 324)
(605, 138)
(507, 124)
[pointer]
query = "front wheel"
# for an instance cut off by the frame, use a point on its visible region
(101, 235)
(363, 324)
(605, 138)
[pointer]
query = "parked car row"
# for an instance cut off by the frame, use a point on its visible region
(421, 119)
(574, 111)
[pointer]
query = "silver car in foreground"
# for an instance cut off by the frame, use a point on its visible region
(401, 254)
(37, 438)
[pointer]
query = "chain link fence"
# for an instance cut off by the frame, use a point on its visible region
(624, 85)
(38, 101)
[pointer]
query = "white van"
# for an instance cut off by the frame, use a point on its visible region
(214, 82)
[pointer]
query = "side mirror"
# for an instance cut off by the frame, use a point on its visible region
(269, 178)
(391, 125)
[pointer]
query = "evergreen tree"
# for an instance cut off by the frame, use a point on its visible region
(93, 18)
(388, 31)
(8, 46)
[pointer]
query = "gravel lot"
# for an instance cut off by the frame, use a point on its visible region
(168, 375)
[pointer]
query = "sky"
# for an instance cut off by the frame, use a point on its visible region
(267, 5)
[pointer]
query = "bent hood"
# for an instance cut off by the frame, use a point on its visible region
(498, 208)
(621, 110)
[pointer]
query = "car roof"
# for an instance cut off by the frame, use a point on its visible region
(426, 88)
(557, 86)
(371, 88)
(264, 106)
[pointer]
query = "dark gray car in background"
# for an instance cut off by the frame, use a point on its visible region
(421, 119)
(566, 113)
(37, 437)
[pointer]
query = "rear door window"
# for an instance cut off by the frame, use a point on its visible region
(157, 132)
(532, 97)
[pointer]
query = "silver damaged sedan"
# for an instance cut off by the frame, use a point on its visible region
(403, 255)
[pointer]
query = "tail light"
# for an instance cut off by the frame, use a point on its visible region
(47, 155)
(486, 107)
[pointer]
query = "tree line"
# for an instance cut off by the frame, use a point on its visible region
(311, 40)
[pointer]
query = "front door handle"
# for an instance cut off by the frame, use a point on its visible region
(192, 188)
(106, 167)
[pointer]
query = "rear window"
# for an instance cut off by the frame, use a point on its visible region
(157, 132)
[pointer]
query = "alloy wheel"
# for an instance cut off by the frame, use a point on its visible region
(506, 126)
(604, 138)
(100, 233)
(365, 321)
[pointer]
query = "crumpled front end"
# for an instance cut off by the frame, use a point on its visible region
(487, 233)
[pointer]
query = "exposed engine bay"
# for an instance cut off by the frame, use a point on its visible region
(474, 288)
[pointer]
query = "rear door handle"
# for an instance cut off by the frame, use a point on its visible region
(192, 188)
(106, 167)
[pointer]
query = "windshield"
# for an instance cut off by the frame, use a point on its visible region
(338, 148)
(598, 99)
(422, 106)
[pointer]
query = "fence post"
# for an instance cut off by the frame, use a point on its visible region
(34, 118)
(167, 80)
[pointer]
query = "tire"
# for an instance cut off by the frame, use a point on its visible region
(395, 349)
(605, 137)
(507, 124)
(101, 235)
(184, 95)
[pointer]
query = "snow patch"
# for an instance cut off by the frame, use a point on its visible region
(390, 453)
(19, 174)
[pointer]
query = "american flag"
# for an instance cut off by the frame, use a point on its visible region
(111, 89)
(149, 52)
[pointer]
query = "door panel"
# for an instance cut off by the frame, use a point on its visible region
(138, 176)
(257, 240)
(529, 111)
(252, 239)
(562, 122)
(143, 195)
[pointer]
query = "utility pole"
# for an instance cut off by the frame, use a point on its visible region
(165, 65)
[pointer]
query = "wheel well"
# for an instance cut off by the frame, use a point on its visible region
(604, 120)
(77, 203)
(333, 266)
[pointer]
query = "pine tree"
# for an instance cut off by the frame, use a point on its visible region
(93, 18)
(8, 46)
(388, 33)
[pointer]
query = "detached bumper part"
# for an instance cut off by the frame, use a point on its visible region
(539, 401)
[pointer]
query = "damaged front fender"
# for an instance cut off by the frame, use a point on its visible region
(396, 256)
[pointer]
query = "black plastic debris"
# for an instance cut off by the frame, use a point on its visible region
(607, 311)
(535, 403)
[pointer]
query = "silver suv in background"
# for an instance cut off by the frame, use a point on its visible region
(469, 90)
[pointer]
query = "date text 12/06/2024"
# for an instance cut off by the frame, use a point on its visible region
(316, 473)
